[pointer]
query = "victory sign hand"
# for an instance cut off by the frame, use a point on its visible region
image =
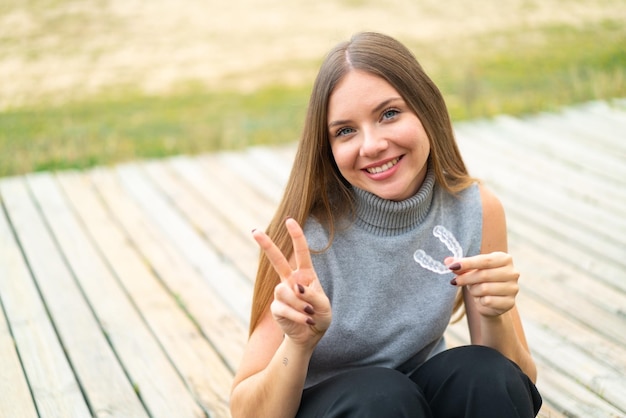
(300, 306)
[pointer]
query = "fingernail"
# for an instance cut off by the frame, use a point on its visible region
(308, 309)
(300, 288)
(310, 321)
(455, 266)
(453, 282)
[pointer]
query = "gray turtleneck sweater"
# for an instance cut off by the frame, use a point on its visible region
(387, 310)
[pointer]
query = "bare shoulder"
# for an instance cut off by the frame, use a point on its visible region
(491, 204)
(494, 222)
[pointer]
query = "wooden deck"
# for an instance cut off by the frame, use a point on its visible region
(125, 291)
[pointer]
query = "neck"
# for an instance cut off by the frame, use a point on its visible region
(388, 217)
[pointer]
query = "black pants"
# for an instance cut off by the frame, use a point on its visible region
(470, 381)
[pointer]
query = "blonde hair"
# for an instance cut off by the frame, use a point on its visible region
(315, 186)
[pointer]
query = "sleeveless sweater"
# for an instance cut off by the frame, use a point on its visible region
(388, 311)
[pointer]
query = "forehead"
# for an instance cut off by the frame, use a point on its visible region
(359, 90)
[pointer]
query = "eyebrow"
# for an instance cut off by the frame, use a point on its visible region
(377, 109)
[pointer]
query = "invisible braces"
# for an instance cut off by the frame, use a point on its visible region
(448, 239)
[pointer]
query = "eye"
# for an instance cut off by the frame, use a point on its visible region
(390, 114)
(343, 131)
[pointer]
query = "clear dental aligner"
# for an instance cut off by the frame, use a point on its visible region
(448, 239)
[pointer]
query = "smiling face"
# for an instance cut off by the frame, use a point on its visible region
(378, 142)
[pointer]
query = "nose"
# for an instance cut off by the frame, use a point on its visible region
(373, 143)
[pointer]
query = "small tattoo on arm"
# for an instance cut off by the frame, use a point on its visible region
(285, 361)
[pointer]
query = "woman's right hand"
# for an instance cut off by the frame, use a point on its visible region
(300, 306)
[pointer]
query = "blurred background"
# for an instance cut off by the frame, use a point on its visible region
(91, 82)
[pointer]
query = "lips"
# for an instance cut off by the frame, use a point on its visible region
(384, 167)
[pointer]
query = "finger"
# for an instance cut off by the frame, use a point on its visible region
(481, 261)
(288, 306)
(283, 312)
(494, 305)
(497, 267)
(273, 253)
(315, 296)
(506, 276)
(300, 246)
(321, 311)
(497, 289)
(292, 296)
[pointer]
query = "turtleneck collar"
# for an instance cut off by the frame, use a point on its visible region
(387, 217)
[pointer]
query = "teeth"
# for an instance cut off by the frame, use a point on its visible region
(383, 167)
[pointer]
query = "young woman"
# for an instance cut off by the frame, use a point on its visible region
(345, 322)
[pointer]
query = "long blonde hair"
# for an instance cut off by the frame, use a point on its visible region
(315, 186)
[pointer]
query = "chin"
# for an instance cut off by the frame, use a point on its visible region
(396, 197)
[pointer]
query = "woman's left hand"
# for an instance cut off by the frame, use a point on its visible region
(490, 279)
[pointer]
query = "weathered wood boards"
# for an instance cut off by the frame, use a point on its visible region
(125, 291)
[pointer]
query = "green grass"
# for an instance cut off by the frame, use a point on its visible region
(512, 73)
(527, 72)
(79, 135)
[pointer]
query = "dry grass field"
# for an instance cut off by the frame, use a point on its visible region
(57, 50)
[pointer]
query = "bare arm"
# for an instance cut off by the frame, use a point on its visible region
(270, 380)
(490, 286)
(271, 377)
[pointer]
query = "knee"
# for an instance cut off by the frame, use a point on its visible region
(468, 367)
(481, 380)
(474, 364)
(380, 391)
(487, 367)
(382, 385)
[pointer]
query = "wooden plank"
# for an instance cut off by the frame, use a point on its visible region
(257, 181)
(601, 308)
(611, 117)
(569, 224)
(559, 174)
(243, 213)
(223, 278)
(572, 399)
(558, 270)
(609, 353)
(487, 165)
(511, 157)
(152, 375)
(205, 217)
(182, 224)
(103, 380)
(218, 324)
(244, 166)
(608, 385)
(274, 161)
(558, 246)
(598, 125)
(288, 153)
(540, 187)
(52, 382)
(605, 166)
(193, 358)
(608, 356)
(15, 397)
(548, 411)
(258, 205)
(553, 123)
